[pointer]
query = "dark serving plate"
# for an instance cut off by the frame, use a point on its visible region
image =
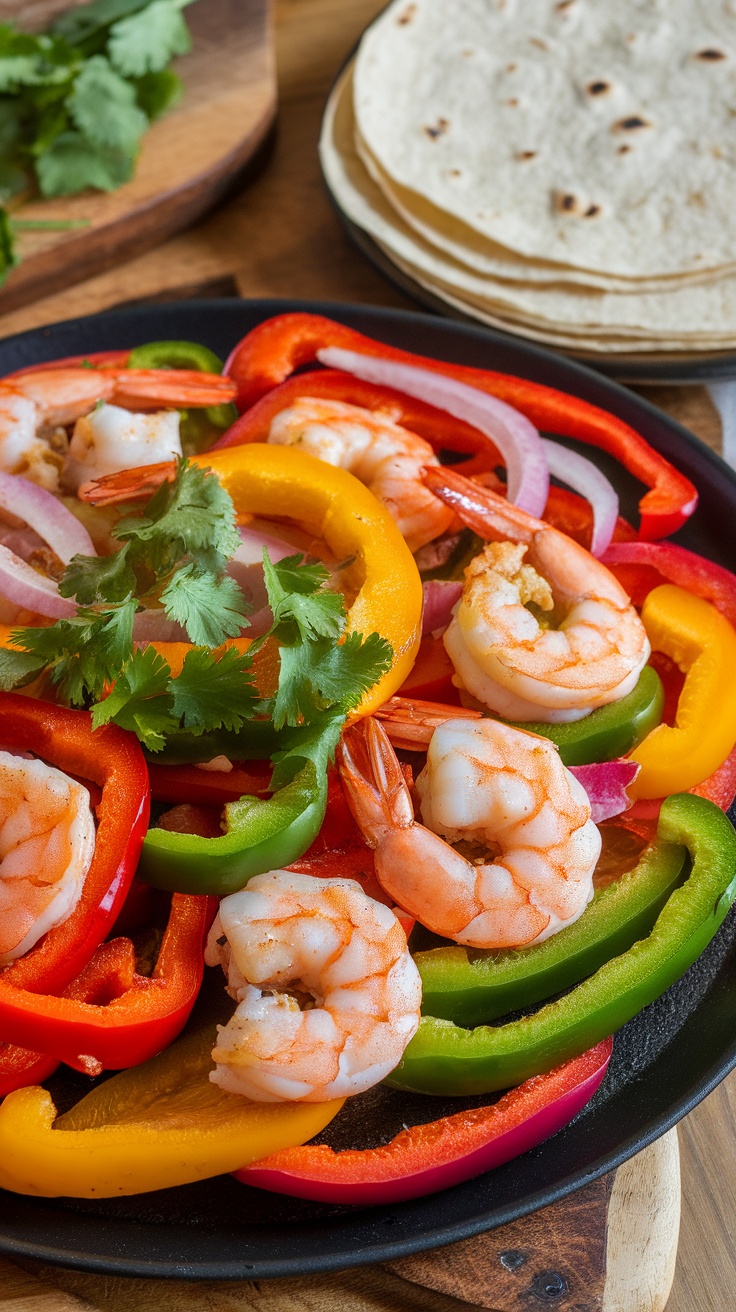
(673, 367)
(665, 1061)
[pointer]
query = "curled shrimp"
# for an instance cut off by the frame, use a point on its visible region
(328, 995)
(47, 840)
(383, 455)
(505, 796)
(505, 651)
(36, 407)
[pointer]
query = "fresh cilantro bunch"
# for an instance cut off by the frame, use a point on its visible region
(75, 101)
(174, 555)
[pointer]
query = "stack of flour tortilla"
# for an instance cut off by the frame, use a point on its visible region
(564, 169)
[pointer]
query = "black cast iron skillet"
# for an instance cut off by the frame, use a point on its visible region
(665, 1061)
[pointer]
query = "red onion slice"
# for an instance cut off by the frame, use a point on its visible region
(440, 595)
(512, 433)
(27, 588)
(606, 782)
(250, 552)
(586, 478)
(45, 513)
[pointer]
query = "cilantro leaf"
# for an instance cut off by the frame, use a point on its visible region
(98, 578)
(103, 106)
(157, 92)
(194, 515)
(210, 608)
(18, 668)
(315, 675)
(145, 42)
(84, 653)
(212, 693)
(80, 25)
(315, 742)
(73, 163)
(140, 700)
(7, 245)
(296, 592)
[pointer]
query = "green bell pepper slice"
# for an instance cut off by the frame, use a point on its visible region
(471, 987)
(256, 741)
(610, 731)
(260, 835)
(196, 425)
(442, 1058)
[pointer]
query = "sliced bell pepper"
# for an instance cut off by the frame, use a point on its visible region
(260, 834)
(273, 350)
(111, 758)
(180, 783)
(159, 1125)
(473, 988)
(280, 482)
(19, 1067)
(425, 1158)
(443, 1058)
(703, 644)
(610, 731)
(666, 561)
(111, 1017)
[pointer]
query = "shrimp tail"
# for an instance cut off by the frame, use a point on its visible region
(127, 485)
(373, 781)
(489, 515)
(410, 722)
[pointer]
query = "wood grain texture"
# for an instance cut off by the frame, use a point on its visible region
(188, 160)
(554, 1258)
(643, 1229)
(281, 238)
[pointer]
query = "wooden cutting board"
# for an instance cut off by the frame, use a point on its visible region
(561, 1258)
(189, 159)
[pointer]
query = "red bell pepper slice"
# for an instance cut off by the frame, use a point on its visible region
(659, 562)
(273, 350)
(425, 1158)
(182, 783)
(111, 1017)
(111, 758)
(19, 1067)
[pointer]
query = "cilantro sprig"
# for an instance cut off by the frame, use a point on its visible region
(174, 555)
(76, 101)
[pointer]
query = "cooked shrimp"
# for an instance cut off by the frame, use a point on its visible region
(382, 454)
(36, 407)
(506, 796)
(328, 995)
(47, 840)
(111, 438)
(590, 653)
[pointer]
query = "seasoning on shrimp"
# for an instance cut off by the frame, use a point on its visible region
(36, 407)
(328, 995)
(505, 652)
(383, 455)
(47, 840)
(505, 796)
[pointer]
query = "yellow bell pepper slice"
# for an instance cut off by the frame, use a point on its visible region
(153, 1126)
(284, 483)
(700, 640)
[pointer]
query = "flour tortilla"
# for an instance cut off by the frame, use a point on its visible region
(563, 315)
(495, 111)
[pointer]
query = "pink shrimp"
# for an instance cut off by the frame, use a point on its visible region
(37, 406)
(506, 797)
(519, 666)
(47, 840)
(328, 995)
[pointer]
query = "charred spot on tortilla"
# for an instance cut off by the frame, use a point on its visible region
(624, 149)
(565, 202)
(598, 87)
(438, 130)
(406, 16)
(538, 42)
(633, 123)
(710, 55)
(564, 6)
(591, 211)
(526, 154)
(512, 102)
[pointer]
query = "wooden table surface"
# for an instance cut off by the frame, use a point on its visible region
(279, 237)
